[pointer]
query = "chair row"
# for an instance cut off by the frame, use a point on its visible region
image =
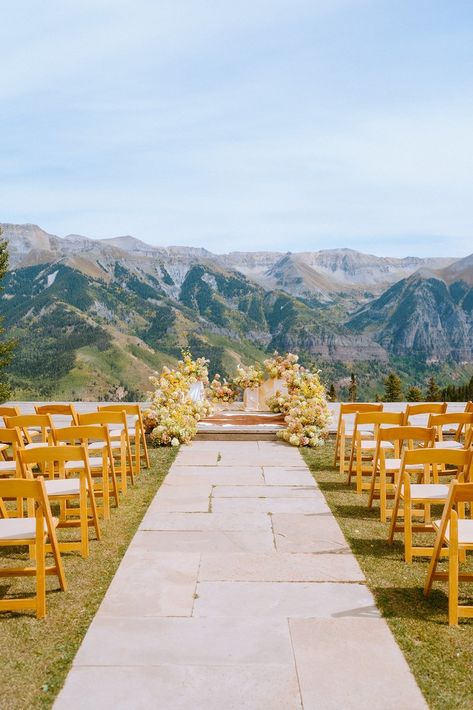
(72, 467)
(420, 470)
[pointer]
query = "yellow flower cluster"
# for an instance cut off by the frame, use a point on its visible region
(280, 366)
(305, 408)
(248, 377)
(173, 416)
(221, 390)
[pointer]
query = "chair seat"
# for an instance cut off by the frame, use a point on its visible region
(428, 491)
(116, 433)
(99, 445)
(395, 465)
(62, 487)
(18, 529)
(450, 444)
(36, 444)
(370, 445)
(94, 462)
(7, 467)
(465, 531)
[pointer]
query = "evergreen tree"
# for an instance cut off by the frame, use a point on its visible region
(392, 388)
(332, 393)
(353, 388)
(414, 394)
(6, 346)
(433, 391)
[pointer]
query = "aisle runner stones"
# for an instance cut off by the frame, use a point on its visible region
(239, 591)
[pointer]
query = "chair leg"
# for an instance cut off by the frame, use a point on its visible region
(407, 520)
(342, 455)
(395, 511)
(40, 568)
(145, 448)
(83, 519)
(105, 488)
(453, 571)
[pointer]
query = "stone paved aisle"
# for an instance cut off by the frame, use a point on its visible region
(239, 591)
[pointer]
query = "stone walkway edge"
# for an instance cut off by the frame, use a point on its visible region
(239, 592)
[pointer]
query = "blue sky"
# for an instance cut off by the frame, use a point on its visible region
(263, 125)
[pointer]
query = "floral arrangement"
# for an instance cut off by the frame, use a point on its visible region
(193, 370)
(280, 366)
(248, 377)
(173, 416)
(305, 409)
(221, 390)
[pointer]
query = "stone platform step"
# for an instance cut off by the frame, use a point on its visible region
(229, 425)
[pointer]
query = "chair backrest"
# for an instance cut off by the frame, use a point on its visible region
(9, 412)
(67, 410)
(414, 410)
(127, 408)
(347, 408)
(434, 462)
(459, 421)
(131, 410)
(24, 422)
(379, 418)
(411, 434)
(14, 439)
(51, 459)
(82, 433)
(28, 490)
(102, 418)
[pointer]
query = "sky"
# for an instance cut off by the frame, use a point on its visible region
(286, 125)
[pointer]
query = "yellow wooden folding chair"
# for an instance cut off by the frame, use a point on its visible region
(362, 449)
(102, 467)
(120, 444)
(425, 494)
(345, 430)
(457, 423)
(385, 469)
(52, 461)
(137, 434)
(455, 538)
(35, 529)
(32, 426)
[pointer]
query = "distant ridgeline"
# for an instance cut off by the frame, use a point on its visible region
(94, 318)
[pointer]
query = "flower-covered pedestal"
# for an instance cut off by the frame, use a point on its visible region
(251, 400)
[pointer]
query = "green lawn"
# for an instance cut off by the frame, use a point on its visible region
(441, 657)
(36, 654)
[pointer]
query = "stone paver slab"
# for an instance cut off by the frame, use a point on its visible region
(267, 492)
(283, 599)
(212, 641)
(190, 457)
(206, 521)
(215, 475)
(153, 584)
(285, 476)
(181, 504)
(308, 533)
(204, 541)
(279, 567)
(352, 664)
(269, 505)
(182, 688)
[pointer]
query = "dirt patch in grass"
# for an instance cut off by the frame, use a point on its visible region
(441, 657)
(36, 654)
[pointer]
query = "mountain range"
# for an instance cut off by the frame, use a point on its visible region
(94, 317)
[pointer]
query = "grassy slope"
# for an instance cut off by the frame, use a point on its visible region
(441, 657)
(40, 652)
